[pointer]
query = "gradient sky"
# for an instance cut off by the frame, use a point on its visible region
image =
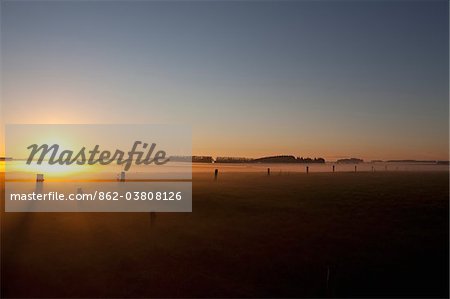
(335, 79)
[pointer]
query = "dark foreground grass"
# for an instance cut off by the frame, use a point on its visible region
(249, 235)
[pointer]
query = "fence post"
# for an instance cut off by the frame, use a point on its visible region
(121, 177)
(39, 177)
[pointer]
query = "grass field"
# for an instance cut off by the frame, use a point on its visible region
(297, 235)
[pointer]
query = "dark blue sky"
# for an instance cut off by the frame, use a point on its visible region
(331, 78)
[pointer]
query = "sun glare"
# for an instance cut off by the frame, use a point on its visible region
(56, 170)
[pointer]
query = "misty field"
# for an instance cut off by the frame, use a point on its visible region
(249, 235)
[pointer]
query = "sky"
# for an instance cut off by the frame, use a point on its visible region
(334, 79)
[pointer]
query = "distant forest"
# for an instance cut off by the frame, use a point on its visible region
(288, 159)
(285, 159)
(350, 161)
(271, 159)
